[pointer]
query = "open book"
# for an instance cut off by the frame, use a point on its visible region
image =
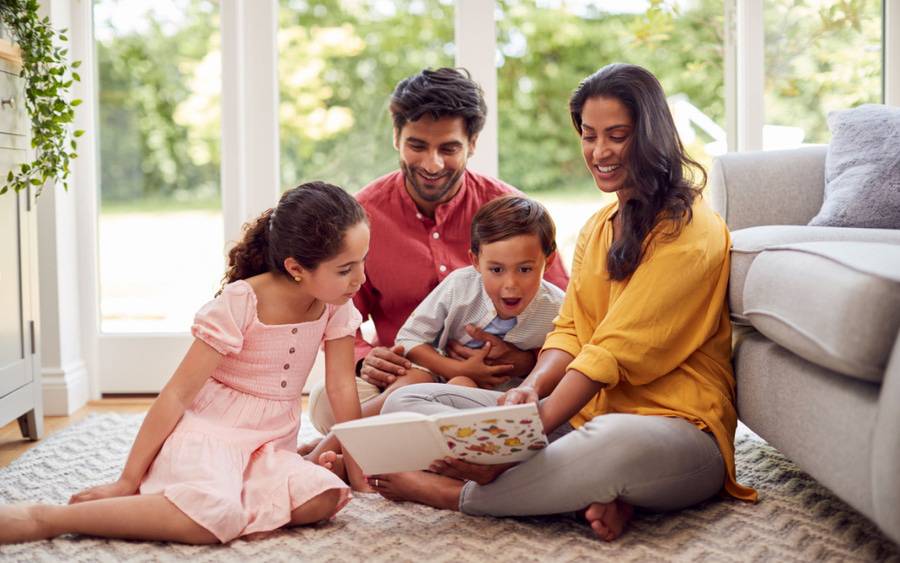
(405, 441)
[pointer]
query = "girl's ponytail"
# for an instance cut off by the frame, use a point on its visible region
(250, 257)
(308, 225)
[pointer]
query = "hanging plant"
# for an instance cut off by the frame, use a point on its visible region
(48, 78)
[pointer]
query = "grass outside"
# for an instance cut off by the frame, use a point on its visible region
(160, 262)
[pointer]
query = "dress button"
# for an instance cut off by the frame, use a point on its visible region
(442, 268)
(283, 384)
(286, 366)
(293, 331)
(291, 351)
(435, 235)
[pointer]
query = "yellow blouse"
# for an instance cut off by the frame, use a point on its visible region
(660, 340)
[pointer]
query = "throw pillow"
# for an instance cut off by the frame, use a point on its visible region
(862, 169)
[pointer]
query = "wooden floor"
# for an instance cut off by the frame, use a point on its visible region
(12, 445)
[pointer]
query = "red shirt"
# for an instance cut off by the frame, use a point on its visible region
(409, 253)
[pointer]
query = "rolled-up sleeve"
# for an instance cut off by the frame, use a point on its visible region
(669, 307)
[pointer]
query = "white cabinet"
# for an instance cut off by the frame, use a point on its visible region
(20, 385)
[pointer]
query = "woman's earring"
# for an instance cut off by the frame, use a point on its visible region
(298, 279)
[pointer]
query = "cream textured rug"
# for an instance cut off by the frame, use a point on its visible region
(795, 520)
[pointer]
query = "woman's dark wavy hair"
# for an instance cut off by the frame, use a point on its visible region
(439, 93)
(656, 163)
(308, 225)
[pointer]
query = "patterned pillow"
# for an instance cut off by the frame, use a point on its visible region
(862, 169)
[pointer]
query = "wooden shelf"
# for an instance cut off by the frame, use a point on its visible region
(11, 53)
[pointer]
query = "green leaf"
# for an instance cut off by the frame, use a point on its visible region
(75, 103)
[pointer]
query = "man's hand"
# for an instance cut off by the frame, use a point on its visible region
(382, 365)
(487, 376)
(502, 352)
(119, 488)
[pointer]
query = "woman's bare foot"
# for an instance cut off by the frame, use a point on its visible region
(308, 447)
(419, 486)
(21, 523)
(333, 462)
(465, 471)
(608, 520)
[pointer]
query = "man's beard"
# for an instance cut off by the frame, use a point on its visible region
(429, 194)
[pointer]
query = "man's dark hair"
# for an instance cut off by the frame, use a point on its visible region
(439, 93)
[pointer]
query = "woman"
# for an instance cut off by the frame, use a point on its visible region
(635, 381)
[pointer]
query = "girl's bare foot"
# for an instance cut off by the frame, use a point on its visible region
(21, 523)
(419, 486)
(308, 447)
(333, 462)
(608, 520)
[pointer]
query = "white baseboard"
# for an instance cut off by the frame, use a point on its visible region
(65, 389)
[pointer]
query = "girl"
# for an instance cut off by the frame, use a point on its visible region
(635, 380)
(215, 456)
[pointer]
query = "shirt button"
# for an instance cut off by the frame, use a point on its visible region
(291, 351)
(418, 215)
(435, 235)
(442, 268)
(293, 331)
(283, 384)
(286, 366)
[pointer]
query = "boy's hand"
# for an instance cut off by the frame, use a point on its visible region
(382, 365)
(501, 352)
(487, 376)
(119, 488)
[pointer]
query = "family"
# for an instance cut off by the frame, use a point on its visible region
(629, 360)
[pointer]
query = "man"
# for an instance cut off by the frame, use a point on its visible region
(419, 219)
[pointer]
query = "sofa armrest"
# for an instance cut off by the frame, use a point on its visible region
(783, 187)
(886, 450)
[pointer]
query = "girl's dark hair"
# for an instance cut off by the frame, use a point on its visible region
(439, 93)
(510, 216)
(308, 225)
(657, 166)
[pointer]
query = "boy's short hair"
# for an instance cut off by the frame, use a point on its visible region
(439, 93)
(511, 216)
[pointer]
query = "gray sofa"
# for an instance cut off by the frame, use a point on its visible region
(817, 314)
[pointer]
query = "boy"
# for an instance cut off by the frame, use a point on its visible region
(502, 293)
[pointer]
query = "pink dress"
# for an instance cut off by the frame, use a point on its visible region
(231, 464)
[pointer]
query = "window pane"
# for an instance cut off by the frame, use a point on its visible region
(821, 55)
(161, 234)
(338, 62)
(546, 47)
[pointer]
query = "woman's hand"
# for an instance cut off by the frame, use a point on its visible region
(520, 395)
(120, 488)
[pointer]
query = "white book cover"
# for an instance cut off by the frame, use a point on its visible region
(405, 441)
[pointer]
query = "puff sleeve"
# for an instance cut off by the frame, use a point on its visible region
(222, 322)
(343, 320)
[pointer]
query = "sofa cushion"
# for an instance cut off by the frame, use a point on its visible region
(746, 244)
(862, 169)
(836, 304)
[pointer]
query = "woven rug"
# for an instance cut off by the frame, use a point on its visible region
(795, 520)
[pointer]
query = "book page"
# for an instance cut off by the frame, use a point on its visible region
(389, 443)
(493, 435)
